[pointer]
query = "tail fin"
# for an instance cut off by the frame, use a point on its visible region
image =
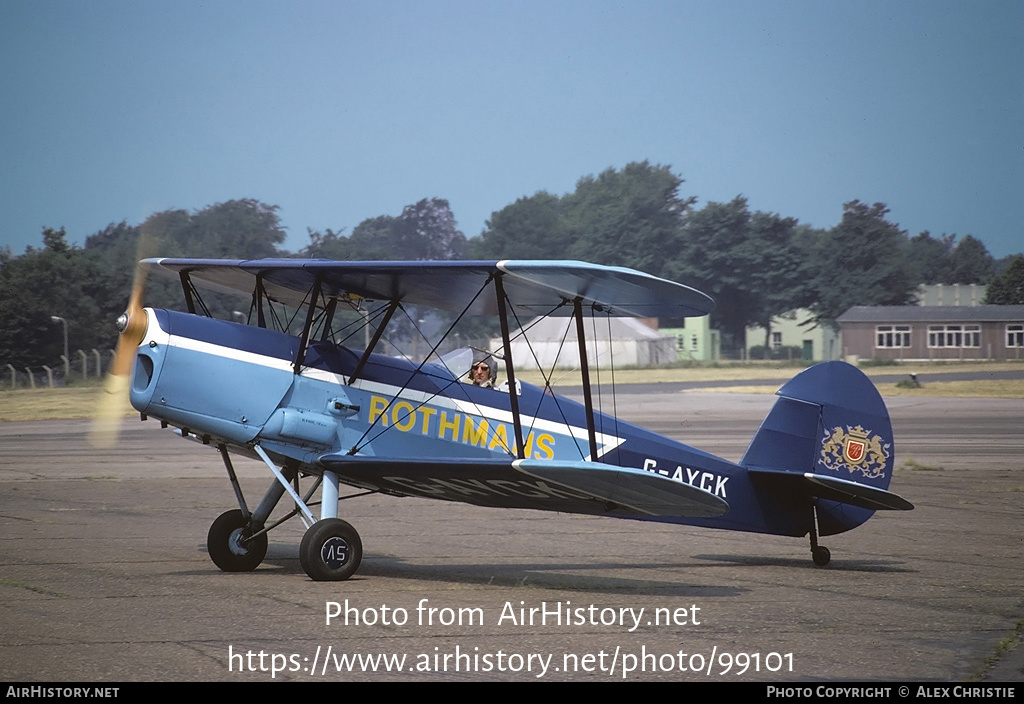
(829, 438)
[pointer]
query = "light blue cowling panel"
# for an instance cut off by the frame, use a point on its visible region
(206, 387)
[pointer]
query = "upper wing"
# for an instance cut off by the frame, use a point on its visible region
(573, 487)
(533, 286)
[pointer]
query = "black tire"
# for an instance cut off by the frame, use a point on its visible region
(821, 556)
(330, 551)
(226, 547)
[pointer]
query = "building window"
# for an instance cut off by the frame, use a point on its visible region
(1015, 335)
(892, 336)
(954, 336)
(694, 343)
(776, 340)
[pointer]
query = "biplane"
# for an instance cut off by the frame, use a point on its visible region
(313, 405)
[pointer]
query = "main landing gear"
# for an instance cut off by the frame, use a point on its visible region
(819, 553)
(232, 546)
(331, 549)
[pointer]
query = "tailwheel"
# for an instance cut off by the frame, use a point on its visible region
(330, 551)
(819, 553)
(230, 546)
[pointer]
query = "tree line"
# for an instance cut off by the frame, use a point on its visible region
(756, 265)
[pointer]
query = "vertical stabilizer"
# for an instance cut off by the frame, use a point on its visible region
(827, 436)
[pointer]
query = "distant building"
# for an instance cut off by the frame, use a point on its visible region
(950, 294)
(619, 342)
(695, 340)
(797, 329)
(933, 332)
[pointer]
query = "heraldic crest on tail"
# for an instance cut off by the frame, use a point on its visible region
(855, 449)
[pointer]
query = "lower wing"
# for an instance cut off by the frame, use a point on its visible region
(573, 487)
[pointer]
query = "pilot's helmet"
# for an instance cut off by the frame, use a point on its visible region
(481, 357)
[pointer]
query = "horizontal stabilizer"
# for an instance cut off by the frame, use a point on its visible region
(578, 487)
(834, 489)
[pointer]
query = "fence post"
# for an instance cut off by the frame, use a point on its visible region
(31, 379)
(14, 376)
(85, 365)
(49, 375)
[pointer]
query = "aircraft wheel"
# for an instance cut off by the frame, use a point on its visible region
(821, 556)
(228, 548)
(330, 551)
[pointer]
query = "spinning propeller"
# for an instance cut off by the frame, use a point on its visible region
(113, 403)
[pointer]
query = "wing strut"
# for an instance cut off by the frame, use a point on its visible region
(588, 402)
(192, 294)
(258, 294)
(186, 287)
(517, 421)
(373, 342)
(332, 305)
(314, 297)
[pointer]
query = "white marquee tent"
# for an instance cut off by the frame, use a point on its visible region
(553, 342)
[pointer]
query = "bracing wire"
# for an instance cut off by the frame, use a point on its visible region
(615, 404)
(356, 446)
(547, 376)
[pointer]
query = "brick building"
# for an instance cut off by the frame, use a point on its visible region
(933, 332)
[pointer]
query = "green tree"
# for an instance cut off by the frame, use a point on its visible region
(236, 229)
(373, 239)
(424, 231)
(55, 240)
(1008, 288)
(970, 262)
(117, 249)
(860, 262)
(530, 228)
(90, 286)
(326, 245)
(633, 217)
(427, 231)
(928, 258)
(718, 258)
(57, 280)
(780, 269)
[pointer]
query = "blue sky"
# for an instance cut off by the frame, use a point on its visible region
(341, 111)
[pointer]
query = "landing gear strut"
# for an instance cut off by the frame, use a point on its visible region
(331, 549)
(819, 553)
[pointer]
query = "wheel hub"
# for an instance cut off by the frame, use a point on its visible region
(334, 552)
(237, 543)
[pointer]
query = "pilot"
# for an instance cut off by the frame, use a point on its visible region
(483, 373)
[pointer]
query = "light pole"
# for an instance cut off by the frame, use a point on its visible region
(67, 359)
